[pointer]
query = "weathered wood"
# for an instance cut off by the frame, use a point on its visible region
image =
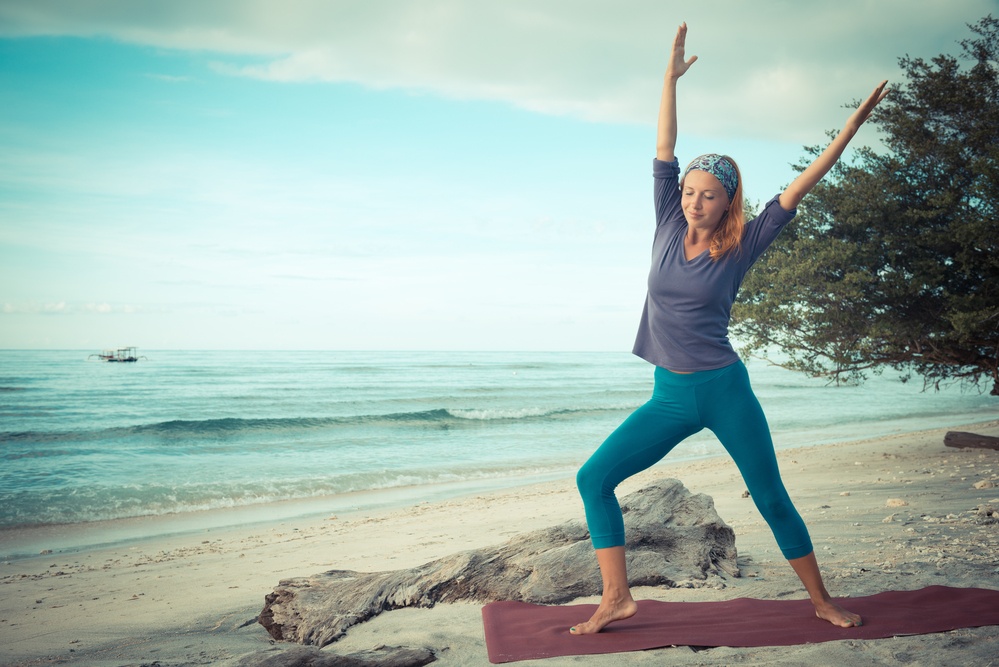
(309, 656)
(962, 439)
(675, 538)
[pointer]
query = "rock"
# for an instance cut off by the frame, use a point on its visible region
(896, 502)
(961, 439)
(303, 656)
(987, 511)
(673, 536)
(985, 484)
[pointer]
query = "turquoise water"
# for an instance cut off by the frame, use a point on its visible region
(183, 431)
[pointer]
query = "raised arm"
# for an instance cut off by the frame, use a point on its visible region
(677, 67)
(814, 172)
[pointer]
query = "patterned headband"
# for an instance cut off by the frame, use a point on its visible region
(721, 168)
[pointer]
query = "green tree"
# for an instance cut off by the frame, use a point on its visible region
(893, 260)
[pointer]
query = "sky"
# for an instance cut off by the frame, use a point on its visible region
(391, 174)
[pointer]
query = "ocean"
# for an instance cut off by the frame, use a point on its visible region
(182, 432)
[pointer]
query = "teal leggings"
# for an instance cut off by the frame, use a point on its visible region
(722, 401)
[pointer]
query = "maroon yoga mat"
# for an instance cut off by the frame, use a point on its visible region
(522, 631)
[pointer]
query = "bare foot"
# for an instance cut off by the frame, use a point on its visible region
(606, 613)
(836, 615)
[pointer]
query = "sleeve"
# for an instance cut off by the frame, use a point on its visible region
(666, 190)
(762, 230)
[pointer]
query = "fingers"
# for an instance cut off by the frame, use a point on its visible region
(867, 106)
(880, 91)
(681, 36)
(677, 63)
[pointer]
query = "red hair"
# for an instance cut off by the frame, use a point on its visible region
(728, 236)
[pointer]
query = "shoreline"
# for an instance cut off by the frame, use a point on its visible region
(192, 598)
(25, 542)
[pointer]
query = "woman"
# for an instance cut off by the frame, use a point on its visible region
(701, 252)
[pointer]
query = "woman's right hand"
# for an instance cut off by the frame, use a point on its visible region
(677, 66)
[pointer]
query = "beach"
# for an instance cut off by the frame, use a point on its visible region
(898, 512)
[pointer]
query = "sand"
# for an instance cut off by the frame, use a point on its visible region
(899, 512)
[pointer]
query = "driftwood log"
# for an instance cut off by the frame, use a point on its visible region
(675, 538)
(309, 656)
(962, 439)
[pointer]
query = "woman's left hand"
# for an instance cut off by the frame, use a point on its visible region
(867, 106)
(813, 173)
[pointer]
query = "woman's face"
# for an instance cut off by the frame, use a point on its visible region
(703, 200)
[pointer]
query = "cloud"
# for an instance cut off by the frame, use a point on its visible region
(169, 78)
(99, 308)
(768, 69)
(65, 308)
(35, 308)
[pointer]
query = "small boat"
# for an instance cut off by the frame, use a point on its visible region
(121, 355)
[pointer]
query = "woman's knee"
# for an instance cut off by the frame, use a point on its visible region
(776, 508)
(589, 481)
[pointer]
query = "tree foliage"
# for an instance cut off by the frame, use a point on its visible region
(893, 260)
